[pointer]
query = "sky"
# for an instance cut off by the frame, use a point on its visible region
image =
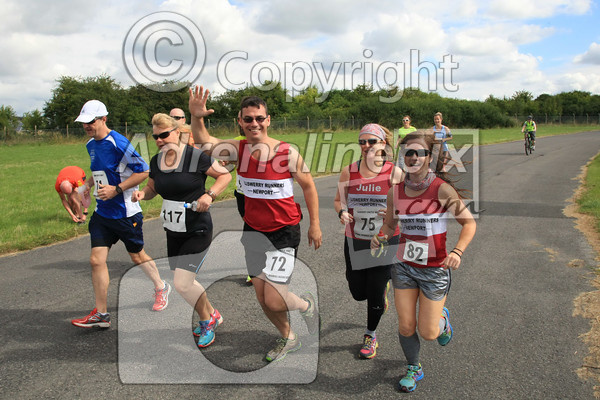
(463, 49)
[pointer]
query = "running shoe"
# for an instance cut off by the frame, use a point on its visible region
(445, 336)
(207, 334)
(387, 302)
(93, 319)
(249, 280)
(283, 347)
(161, 298)
(215, 320)
(369, 347)
(311, 315)
(408, 383)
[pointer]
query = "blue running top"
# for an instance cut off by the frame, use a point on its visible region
(113, 160)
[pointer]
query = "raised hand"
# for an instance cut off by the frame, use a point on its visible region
(197, 103)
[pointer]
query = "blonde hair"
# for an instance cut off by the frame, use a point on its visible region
(163, 120)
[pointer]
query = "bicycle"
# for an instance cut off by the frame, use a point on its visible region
(528, 144)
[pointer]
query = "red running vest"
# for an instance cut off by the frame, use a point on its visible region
(366, 196)
(268, 188)
(423, 226)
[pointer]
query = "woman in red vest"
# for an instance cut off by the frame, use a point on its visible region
(360, 203)
(422, 204)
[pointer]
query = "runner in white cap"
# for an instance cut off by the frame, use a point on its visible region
(117, 170)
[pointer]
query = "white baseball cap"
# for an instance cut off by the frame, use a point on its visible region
(90, 110)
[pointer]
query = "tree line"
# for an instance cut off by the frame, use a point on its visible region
(136, 105)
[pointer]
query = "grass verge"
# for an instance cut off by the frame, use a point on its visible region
(589, 201)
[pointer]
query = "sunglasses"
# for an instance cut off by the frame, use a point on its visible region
(418, 153)
(406, 120)
(177, 118)
(92, 121)
(371, 142)
(162, 135)
(260, 119)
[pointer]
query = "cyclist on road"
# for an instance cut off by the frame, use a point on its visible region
(529, 127)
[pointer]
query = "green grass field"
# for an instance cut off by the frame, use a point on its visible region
(589, 202)
(33, 216)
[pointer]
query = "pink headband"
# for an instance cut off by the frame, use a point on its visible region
(373, 129)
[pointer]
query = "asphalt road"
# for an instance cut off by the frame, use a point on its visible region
(511, 304)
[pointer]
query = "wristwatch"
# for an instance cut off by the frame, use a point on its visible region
(212, 194)
(341, 212)
(118, 189)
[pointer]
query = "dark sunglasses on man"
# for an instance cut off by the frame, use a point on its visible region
(260, 119)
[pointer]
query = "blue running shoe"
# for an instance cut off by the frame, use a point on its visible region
(215, 320)
(446, 336)
(414, 374)
(207, 334)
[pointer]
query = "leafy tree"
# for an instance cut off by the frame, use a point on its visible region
(227, 105)
(137, 104)
(71, 93)
(8, 118)
(143, 102)
(575, 102)
(548, 105)
(34, 119)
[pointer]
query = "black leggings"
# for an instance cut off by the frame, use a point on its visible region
(368, 283)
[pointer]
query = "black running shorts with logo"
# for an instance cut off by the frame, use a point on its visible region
(188, 252)
(104, 232)
(257, 244)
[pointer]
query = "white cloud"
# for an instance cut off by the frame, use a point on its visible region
(395, 35)
(524, 34)
(298, 19)
(536, 9)
(592, 56)
(45, 40)
(54, 18)
(497, 38)
(585, 80)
